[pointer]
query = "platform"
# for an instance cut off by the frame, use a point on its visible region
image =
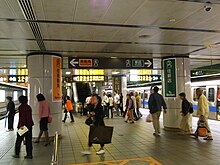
(132, 144)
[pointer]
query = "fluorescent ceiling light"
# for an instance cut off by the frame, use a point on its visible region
(114, 57)
(115, 72)
(68, 73)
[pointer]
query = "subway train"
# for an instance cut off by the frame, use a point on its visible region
(12, 90)
(210, 86)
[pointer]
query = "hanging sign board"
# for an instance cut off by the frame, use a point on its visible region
(169, 66)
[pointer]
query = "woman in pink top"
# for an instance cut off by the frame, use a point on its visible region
(44, 114)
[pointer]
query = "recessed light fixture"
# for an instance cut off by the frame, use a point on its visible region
(114, 57)
(172, 20)
(25, 65)
(68, 73)
(115, 72)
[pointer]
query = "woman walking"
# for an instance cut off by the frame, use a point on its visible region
(98, 114)
(44, 114)
(10, 113)
(25, 119)
(69, 108)
(130, 108)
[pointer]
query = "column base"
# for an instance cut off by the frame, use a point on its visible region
(171, 129)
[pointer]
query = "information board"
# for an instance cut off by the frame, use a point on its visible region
(169, 77)
(110, 63)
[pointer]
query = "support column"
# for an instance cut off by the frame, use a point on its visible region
(176, 79)
(44, 73)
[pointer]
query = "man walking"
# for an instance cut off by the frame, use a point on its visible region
(155, 103)
(203, 110)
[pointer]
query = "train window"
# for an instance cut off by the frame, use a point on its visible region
(2, 96)
(15, 95)
(23, 92)
(211, 95)
(194, 94)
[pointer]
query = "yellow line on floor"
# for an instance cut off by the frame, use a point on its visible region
(150, 160)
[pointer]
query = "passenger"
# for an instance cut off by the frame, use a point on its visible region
(126, 107)
(117, 102)
(138, 105)
(25, 119)
(156, 101)
(10, 113)
(130, 109)
(44, 114)
(121, 104)
(111, 105)
(98, 115)
(105, 103)
(69, 108)
(87, 105)
(135, 106)
(203, 110)
(184, 124)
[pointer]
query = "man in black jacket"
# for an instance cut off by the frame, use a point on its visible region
(155, 103)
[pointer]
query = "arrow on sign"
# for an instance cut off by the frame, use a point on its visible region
(74, 63)
(148, 63)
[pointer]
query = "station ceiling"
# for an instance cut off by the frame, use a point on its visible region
(110, 28)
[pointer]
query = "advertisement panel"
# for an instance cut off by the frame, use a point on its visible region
(56, 79)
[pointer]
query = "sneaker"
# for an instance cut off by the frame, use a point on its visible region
(100, 152)
(15, 156)
(86, 152)
(208, 138)
(156, 134)
(28, 157)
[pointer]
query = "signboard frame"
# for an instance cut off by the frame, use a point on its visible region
(170, 78)
(110, 63)
(56, 79)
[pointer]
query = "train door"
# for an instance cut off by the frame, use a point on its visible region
(218, 103)
(211, 96)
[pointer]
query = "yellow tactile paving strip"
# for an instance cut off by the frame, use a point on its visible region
(149, 160)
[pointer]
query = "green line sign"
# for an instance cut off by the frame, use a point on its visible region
(170, 77)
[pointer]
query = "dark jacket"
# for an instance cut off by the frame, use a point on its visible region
(155, 103)
(99, 115)
(11, 108)
(185, 107)
(25, 116)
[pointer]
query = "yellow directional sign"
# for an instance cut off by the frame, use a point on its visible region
(148, 160)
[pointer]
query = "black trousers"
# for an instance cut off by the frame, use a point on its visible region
(71, 116)
(28, 140)
(11, 121)
(106, 110)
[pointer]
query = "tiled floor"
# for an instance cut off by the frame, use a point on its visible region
(132, 144)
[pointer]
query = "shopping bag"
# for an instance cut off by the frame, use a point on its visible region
(149, 118)
(100, 134)
(202, 132)
(127, 115)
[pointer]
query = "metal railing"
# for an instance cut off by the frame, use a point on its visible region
(54, 160)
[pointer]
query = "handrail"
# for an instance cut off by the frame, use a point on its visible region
(54, 160)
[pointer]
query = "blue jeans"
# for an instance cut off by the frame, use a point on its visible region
(117, 106)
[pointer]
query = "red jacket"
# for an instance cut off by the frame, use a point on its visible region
(25, 116)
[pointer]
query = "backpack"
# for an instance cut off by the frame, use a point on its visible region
(191, 107)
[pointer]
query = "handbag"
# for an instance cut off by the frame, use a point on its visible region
(100, 134)
(149, 118)
(49, 119)
(89, 121)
